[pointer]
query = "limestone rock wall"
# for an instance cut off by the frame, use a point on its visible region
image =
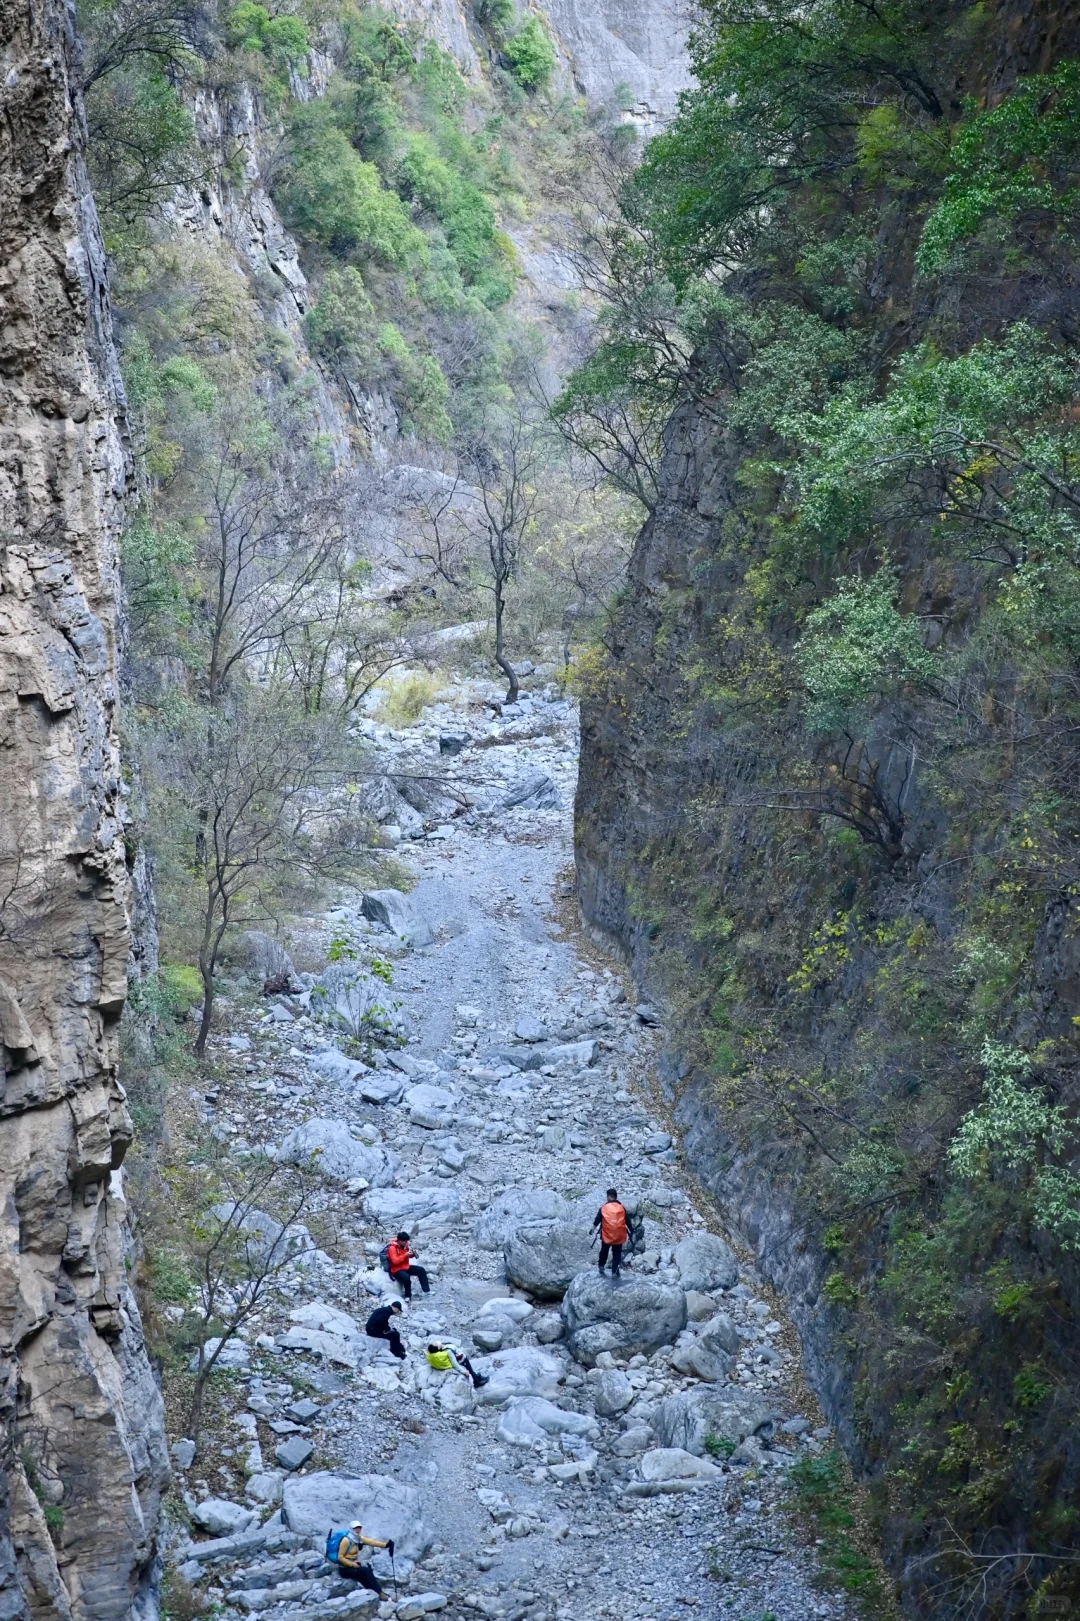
(82, 1454)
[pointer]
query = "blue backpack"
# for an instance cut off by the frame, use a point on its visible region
(334, 1539)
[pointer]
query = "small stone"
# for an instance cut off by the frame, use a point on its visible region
(656, 1142)
(304, 1410)
(294, 1452)
(647, 1013)
(222, 1518)
(183, 1453)
(795, 1426)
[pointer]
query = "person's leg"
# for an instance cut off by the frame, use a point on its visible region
(419, 1273)
(395, 1344)
(603, 1256)
(367, 1577)
(405, 1281)
(616, 1260)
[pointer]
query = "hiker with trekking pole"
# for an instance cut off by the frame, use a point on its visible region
(616, 1230)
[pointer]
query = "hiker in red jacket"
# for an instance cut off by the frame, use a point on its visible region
(400, 1262)
(615, 1230)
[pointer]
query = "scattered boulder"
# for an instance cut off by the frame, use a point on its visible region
(533, 792)
(705, 1262)
(612, 1393)
(512, 1210)
(265, 1488)
(519, 1311)
(542, 1257)
(522, 1370)
(330, 1148)
(413, 1207)
(731, 1414)
(672, 1463)
(453, 742)
(633, 1441)
(222, 1518)
(295, 1452)
(356, 1000)
(399, 914)
(385, 1507)
(699, 1307)
(530, 1030)
(635, 1315)
(336, 1067)
(709, 1356)
(532, 1419)
(183, 1453)
(548, 1327)
(380, 1088)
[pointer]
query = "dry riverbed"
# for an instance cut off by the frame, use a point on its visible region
(644, 1480)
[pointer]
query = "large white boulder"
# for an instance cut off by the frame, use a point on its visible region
(514, 1209)
(542, 1257)
(311, 1504)
(521, 1370)
(531, 1418)
(330, 1148)
(634, 1315)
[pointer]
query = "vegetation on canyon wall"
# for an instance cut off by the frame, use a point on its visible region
(845, 280)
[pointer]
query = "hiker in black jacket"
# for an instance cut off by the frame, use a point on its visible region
(381, 1326)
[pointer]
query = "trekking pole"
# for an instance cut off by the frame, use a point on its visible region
(393, 1572)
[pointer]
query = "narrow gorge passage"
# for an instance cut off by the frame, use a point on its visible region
(633, 1488)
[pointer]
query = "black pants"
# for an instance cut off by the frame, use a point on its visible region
(405, 1277)
(616, 1258)
(391, 1335)
(362, 1574)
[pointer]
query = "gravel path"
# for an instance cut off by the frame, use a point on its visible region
(572, 1526)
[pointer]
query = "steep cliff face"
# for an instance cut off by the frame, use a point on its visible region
(82, 1459)
(640, 45)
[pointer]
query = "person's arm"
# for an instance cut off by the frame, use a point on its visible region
(373, 1542)
(598, 1218)
(629, 1224)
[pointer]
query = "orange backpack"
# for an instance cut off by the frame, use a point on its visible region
(613, 1223)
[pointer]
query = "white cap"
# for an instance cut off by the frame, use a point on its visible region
(356, 1526)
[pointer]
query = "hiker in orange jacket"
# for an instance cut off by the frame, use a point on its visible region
(402, 1266)
(616, 1229)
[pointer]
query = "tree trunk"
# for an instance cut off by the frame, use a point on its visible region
(500, 657)
(207, 974)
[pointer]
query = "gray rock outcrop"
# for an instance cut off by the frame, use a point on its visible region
(331, 1150)
(86, 1434)
(730, 1414)
(544, 1256)
(705, 1262)
(638, 1314)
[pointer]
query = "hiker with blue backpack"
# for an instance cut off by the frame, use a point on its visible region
(343, 1549)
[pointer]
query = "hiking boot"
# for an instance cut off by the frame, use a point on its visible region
(480, 1379)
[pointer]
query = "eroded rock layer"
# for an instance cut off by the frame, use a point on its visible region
(82, 1461)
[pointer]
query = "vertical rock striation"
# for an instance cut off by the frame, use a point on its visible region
(82, 1453)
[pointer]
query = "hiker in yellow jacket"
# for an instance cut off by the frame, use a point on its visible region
(446, 1357)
